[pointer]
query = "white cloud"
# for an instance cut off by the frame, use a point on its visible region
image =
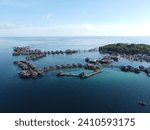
(13, 3)
(76, 30)
(8, 26)
(48, 16)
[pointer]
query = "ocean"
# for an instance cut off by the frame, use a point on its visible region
(111, 91)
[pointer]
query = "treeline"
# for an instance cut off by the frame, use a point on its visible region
(125, 48)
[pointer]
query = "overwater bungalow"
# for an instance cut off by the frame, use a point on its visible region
(91, 66)
(63, 66)
(34, 74)
(92, 61)
(50, 68)
(141, 68)
(130, 68)
(52, 52)
(39, 71)
(24, 74)
(68, 51)
(124, 68)
(114, 58)
(16, 54)
(61, 52)
(15, 62)
(148, 74)
(48, 52)
(58, 66)
(24, 66)
(106, 60)
(21, 49)
(32, 66)
(30, 73)
(136, 70)
(69, 66)
(57, 52)
(45, 52)
(45, 69)
(87, 59)
(27, 58)
(74, 65)
(82, 75)
(80, 65)
(147, 71)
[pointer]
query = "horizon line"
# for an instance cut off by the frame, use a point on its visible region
(71, 36)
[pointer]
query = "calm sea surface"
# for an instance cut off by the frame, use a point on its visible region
(109, 91)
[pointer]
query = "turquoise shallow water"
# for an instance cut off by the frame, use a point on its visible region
(109, 91)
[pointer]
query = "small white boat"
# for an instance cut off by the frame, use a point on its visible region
(142, 103)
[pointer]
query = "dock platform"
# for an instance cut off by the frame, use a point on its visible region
(81, 75)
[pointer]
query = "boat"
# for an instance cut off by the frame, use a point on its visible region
(142, 103)
(148, 74)
(60, 73)
(83, 75)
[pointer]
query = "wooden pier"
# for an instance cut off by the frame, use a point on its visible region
(81, 75)
(67, 74)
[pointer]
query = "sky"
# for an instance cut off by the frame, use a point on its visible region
(74, 18)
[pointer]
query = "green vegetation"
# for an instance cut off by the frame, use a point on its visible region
(125, 48)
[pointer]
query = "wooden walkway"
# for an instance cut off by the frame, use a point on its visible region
(79, 75)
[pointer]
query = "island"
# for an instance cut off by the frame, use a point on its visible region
(136, 52)
(126, 48)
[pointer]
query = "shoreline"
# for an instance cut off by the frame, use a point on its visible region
(136, 52)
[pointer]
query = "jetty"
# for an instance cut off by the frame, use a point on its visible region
(81, 75)
(96, 69)
(86, 75)
(61, 73)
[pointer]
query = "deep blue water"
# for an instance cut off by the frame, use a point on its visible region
(109, 91)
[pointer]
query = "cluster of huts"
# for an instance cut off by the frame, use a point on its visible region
(136, 57)
(136, 70)
(103, 60)
(29, 70)
(63, 66)
(37, 54)
(110, 59)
